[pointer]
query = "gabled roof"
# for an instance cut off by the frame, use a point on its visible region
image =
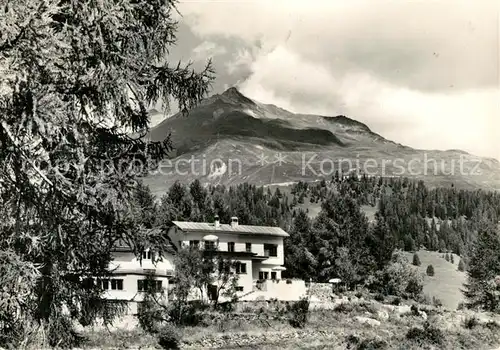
(225, 228)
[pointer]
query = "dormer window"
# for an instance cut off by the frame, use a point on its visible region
(148, 255)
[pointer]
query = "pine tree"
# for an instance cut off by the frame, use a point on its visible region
(382, 242)
(482, 289)
(430, 270)
(416, 260)
(301, 198)
(461, 266)
(81, 77)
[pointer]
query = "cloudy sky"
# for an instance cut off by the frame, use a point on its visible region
(423, 73)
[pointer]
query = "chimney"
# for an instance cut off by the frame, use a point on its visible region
(216, 221)
(234, 221)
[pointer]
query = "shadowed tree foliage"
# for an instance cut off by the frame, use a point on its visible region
(416, 260)
(461, 266)
(79, 79)
(482, 289)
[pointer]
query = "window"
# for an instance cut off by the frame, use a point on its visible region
(270, 250)
(148, 255)
(224, 267)
(241, 268)
(194, 244)
(230, 246)
(263, 275)
(248, 247)
(111, 284)
(116, 284)
(239, 289)
(104, 284)
(144, 285)
(273, 275)
(209, 245)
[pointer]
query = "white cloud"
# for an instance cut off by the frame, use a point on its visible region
(207, 49)
(425, 74)
(443, 120)
(243, 58)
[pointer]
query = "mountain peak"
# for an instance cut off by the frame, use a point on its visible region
(236, 96)
(233, 90)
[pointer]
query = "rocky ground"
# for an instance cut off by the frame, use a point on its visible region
(338, 324)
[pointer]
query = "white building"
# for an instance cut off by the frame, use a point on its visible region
(129, 274)
(259, 251)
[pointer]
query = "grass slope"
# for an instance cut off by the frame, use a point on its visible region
(447, 282)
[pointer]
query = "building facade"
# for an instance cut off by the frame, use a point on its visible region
(258, 250)
(130, 280)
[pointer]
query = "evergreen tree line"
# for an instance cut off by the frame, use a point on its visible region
(340, 241)
(439, 219)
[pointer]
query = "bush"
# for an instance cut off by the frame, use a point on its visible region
(187, 314)
(424, 299)
(365, 307)
(436, 302)
(452, 260)
(414, 288)
(428, 334)
(492, 325)
(416, 260)
(399, 278)
(372, 344)
(343, 308)
(149, 316)
(471, 322)
(447, 257)
(169, 337)
(430, 270)
(282, 308)
(365, 344)
(461, 266)
(396, 301)
(299, 312)
(414, 310)
(379, 297)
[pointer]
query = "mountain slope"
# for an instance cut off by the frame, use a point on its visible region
(230, 139)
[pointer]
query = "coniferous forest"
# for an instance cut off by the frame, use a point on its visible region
(408, 216)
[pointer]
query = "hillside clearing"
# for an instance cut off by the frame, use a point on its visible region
(447, 282)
